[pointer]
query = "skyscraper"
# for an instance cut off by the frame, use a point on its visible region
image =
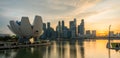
(81, 28)
(48, 24)
(50, 31)
(73, 28)
(59, 29)
(63, 25)
(44, 35)
(88, 33)
(93, 33)
(63, 29)
(44, 26)
(75, 23)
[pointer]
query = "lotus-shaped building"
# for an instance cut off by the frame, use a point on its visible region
(24, 30)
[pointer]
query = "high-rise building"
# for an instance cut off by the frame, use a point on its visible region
(118, 34)
(63, 25)
(88, 33)
(75, 23)
(81, 28)
(59, 23)
(50, 31)
(93, 33)
(48, 24)
(59, 29)
(44, 35)
(63, 30)
(44, 26)
(73, 28)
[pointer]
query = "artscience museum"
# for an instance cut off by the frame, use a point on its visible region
(24, 30)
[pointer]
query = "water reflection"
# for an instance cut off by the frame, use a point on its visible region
(64, 49)
(7, 53)
(80, 49)
(67, 50)
(109, 53)
(29, 53)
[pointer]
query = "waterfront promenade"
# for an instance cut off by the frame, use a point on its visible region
(12, 45)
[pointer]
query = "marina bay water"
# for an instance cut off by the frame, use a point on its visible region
(65, 49)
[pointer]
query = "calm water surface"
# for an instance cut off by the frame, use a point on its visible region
(64, 49)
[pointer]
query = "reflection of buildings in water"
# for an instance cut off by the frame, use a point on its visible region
(109, 53)
(8, 53)
(54, 51)
(67, 50)
(79, 49)
(82, 52)
(61, 50)
(32, 50)
(28, 53)
(82, 49)
(46, 54)
(72, 51)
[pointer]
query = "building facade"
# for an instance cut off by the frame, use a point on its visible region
(81, 28)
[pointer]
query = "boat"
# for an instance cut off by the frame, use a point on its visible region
(112, 45)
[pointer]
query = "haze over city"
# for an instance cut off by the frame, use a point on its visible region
(97, 14)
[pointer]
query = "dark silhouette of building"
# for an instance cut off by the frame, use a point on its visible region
(63, 26)
(93, 33)
(75, 24)
(50, 32)
(62, 31)
(48, 25)
(81, 28)
(72, 26)
(44, 26)
(65, 33)
(44, 35)
(88, 34)
(59, 30)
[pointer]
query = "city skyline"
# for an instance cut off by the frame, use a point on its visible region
(96, 13)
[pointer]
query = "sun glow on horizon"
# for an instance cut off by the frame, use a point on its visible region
(97, 14)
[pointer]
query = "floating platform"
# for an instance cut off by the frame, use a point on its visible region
(115, 46)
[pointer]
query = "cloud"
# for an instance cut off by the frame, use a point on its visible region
(49, 7)
(54, 10)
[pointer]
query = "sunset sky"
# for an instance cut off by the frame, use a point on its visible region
(98, 14)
